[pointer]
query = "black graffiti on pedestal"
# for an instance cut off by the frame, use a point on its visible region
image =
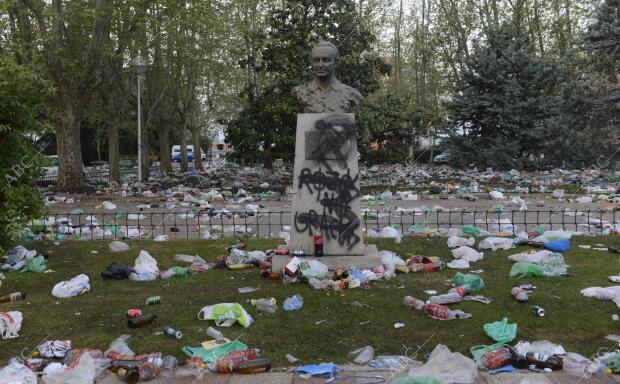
(334, 192)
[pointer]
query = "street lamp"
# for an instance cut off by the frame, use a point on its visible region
(138, 67)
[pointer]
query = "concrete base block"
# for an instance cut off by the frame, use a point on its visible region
(370, 259)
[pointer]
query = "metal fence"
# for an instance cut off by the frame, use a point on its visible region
(267, 224)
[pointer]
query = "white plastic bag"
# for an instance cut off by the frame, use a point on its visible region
(447, 367)
(82, 371)
(390, 262)
(226, 314)
(459, 264)
(495, 243)
(72, 287)
(10, 324)
(467, 253)
(391, 233)
(145, 263)
(108, 205)
(17, 373)
(118, 246)
(313, 268)
(455, 241)
(529, 257)
(497, 195)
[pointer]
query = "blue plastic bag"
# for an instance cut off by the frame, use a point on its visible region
(328, 370)
(293, 303)
(559, 245)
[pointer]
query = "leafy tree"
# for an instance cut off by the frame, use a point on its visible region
(603, 42)
(268, 123)
(22, 95)
(387, 123)
(508, 97)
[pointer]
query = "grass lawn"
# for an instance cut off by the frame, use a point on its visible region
(95, 319)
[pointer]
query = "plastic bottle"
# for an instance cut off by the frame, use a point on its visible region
(318, 242)
(214, 333)
(253, 366)
(519, 294)
(441, 312)
(425, 267)
(141, 321)
(447, 298)
(544, 361)
(265, 305)
(496, 359)
(460, 290)
(414, 303)
(15, 296)
(120, 346)
(226, 364)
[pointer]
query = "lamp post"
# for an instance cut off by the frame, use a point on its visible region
(138, 67)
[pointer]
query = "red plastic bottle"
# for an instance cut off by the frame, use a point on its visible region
(318, 242)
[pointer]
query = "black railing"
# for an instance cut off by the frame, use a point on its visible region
(267, 224)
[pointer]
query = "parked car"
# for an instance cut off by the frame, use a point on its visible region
(175, 154)
(442, 158)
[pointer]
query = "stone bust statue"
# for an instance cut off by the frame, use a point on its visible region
(325, 93)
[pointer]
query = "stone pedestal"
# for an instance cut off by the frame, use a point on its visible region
(326, 189)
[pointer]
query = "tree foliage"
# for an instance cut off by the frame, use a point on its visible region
(507, 98)
(23, 92)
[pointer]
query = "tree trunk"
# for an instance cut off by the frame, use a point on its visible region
(183, 140)
(197, 153)
(70, 168)
(113, 152)
(164, 147)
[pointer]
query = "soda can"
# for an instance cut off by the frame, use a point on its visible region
(538, 311)
(113, 355)
(153, 300)
(131, 313)
(298, 253)
(173, 333)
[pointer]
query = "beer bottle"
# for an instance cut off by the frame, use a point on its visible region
(140, 321)
(128, 375)
(545, 361)
(117, 365)
(253, 366)
(15, 296)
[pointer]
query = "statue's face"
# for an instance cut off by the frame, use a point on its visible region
(323, 62)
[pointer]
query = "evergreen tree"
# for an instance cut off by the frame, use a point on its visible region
(500, 113)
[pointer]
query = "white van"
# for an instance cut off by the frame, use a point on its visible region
(175, 154)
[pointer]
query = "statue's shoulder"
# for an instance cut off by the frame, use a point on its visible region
(352, 93)
(301, 89)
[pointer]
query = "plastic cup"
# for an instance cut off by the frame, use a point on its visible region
(169, 365)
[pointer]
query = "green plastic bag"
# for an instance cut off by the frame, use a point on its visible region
(212, 354)
(416, 380)
(183, 271)
(478, 350)
(501, 331)
(474, 282)
(540, 229)
(36, 264)
(471, 230)
(526, 270)
(614, 363)
(497, 208)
